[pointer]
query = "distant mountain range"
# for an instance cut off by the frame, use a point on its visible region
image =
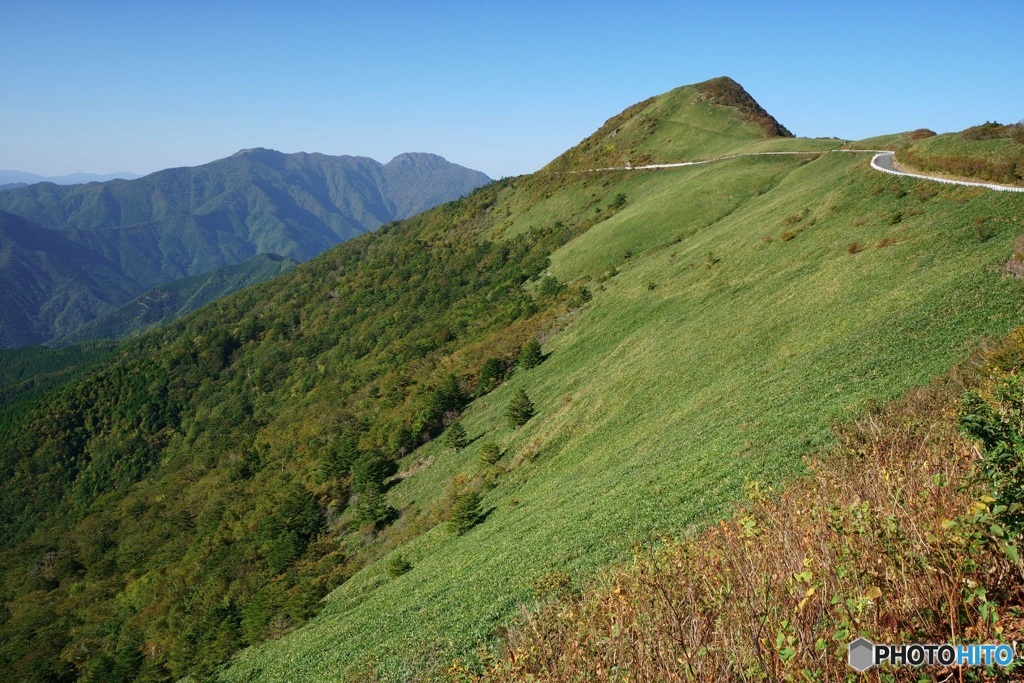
(71, 253)
(24, 178)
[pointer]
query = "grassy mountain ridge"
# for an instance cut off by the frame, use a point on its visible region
(990, 151)
(818, 562)
(187, 221)
(202, 490)
(700, 121)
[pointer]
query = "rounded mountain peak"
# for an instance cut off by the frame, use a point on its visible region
(690, 123)
(418, 159)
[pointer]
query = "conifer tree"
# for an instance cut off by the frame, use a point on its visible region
(491, 375)
(530, 356)
(520, 409)
(465, 512)
(490, 453)
(368, 475)
(450, 394)
(398, 565)
(372, 508)
(456, 437)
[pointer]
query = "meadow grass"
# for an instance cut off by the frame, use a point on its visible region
(723, 349)
(895, 535)
(955, 145)
(964, 155)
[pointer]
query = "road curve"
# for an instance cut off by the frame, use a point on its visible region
(884, 162)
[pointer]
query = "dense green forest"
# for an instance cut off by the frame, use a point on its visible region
(166, 302)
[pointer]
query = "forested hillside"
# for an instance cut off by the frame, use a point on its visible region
(51, 282)
(182, 428)
(166, 302)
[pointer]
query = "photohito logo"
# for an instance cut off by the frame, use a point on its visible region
(864, 654)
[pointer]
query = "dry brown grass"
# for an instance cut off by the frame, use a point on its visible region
(1016, 263)
(886, 538)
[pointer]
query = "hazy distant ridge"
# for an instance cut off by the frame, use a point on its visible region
(15, 177)
(127, 236)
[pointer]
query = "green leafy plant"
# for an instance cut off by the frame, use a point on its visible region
(983, 229)
(398, 565)
(994, 417)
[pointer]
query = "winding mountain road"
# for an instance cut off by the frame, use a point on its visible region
(883, 160)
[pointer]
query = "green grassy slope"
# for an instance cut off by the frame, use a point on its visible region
(742, 325)
(991, 152)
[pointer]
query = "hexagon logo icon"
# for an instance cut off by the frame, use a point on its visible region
(862, 654)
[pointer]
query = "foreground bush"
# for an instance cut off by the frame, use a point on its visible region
(892, 537)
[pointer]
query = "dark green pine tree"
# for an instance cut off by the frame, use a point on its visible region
(398, 565)
(491, 375)
(456, 437)
(520, 409)
(450, 394)
(371, 507)
(530, 356)
(490, 453)
(465, 512)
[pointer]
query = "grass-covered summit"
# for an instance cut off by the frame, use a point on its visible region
(276, 471)
(693, 122)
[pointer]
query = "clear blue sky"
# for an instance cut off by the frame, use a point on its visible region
(501, 87)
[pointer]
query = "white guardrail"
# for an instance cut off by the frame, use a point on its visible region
(990, 186)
